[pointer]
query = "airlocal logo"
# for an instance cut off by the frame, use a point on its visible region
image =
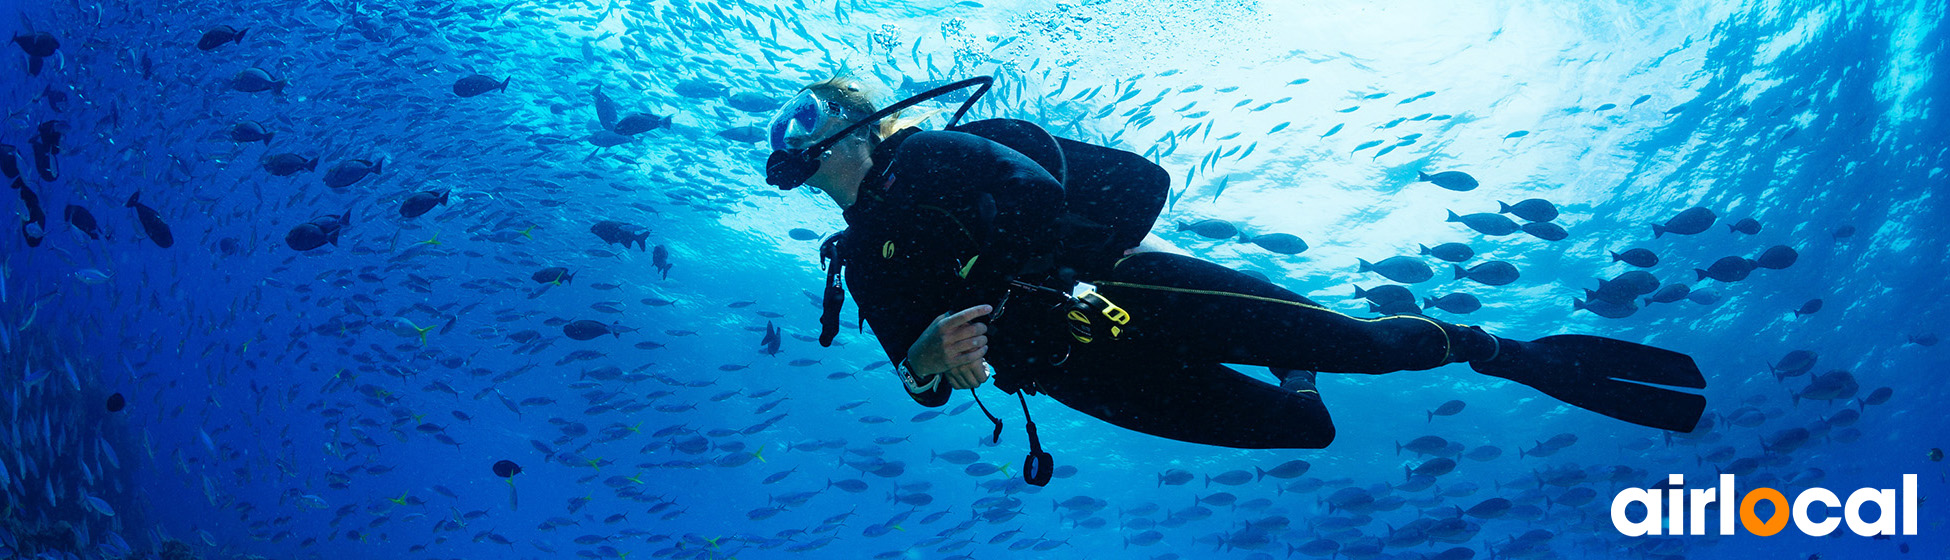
(1676, 506)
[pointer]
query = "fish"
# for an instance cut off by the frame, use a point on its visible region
(554, 275)
(1640, 257)
(351, 171)
(1493, 273)
(82, 220)
(1486, 223)
(219, 35)
(478, 84)
(1691, 221)
(611, 231)
(1453, 180)
(38, 45)
(318, 232)
(586, 329)
(250, 131)
(254, 80)
(152, 222)
(287, 164)
(422, 202)
(639, 123)
(1452, 252)
(1532, 209)
(605, 108)
(1406, 270)
(660, 259)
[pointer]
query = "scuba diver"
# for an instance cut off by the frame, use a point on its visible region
(994, 242)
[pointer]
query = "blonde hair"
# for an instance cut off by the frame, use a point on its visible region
(856, 97)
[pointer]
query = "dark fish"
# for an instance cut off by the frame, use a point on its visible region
(57, 100)
(284, 165)
(477, 84)
(351, 171)
(116, 402)
(9, 161)
(1406, 270)
(1458, 303)
(1727, 269)
(218, 36)
(253, 80)
(82, 220)
(621, 233)
(152, 223)
(1546, 231)
(1282, 243)
(46, 143)
(1533, 209)
(1386, 294)
(250, 131)
(1493, 273)
(1452, 180)
(1844, 232)
(639, 123)
(1450, 408)
(1925, 339)
(1210, 228)
(1452, 252)
(553, 275)
(586, 329)
(421, 203)
(1812, 306)
(505, 468)
(38, 45)
(1288, 470)
(1625, 287)
(317, 232)
(803, 234)
(1486, 223)
(1693, 220)
(229, 246)
(605, 108)
(1642, 258)
(660, 259)
(1747, 226)
(1778, 257)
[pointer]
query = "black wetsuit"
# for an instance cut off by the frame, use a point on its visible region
(935, 201)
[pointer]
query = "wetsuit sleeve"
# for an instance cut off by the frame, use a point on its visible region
(1007, 203)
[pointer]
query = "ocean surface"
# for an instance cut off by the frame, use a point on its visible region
(181, 380)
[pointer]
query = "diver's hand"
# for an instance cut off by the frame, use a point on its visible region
(968, 376)
(951, 342)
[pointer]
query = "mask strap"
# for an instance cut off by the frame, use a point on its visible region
(985, 81)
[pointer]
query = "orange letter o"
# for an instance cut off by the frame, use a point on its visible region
(1774, 524)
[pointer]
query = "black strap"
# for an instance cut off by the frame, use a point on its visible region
(994, 437)
(829, 317)
(1039, 466)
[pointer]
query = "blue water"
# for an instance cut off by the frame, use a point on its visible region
(281, 404)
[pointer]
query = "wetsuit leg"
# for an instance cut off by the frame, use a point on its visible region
(1202, 312)
(1204, 403)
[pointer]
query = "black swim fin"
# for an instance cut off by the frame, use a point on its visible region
(1606, 376)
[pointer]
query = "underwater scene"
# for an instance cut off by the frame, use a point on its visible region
(430, 279)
